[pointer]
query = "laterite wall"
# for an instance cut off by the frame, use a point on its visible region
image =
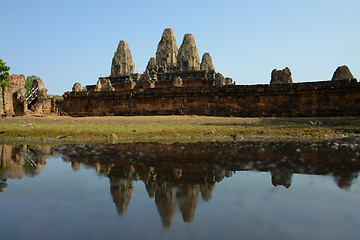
(327, 98)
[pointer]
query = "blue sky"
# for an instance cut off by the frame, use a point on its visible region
(64, 42)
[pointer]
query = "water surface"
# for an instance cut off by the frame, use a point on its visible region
(194, 191)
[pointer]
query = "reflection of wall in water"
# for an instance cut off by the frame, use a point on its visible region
(17, 160)
(281, 176)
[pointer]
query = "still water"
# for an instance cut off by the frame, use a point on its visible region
(234, 190)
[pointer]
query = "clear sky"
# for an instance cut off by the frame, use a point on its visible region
(69, 41)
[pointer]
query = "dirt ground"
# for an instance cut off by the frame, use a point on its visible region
(201, 120)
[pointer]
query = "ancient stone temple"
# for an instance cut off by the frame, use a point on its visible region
(122, 63)
(175, 82)
(164, 70)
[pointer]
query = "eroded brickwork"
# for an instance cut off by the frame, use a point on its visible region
(340, 98)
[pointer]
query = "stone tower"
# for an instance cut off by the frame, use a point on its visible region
(206, 63)
(151, 66)
(122, 63)
(342, 73)
(167, 50)
(188, 58)
(281, 76)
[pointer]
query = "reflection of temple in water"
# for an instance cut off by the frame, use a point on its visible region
(176, 175)
(121, 190)
(169, 190)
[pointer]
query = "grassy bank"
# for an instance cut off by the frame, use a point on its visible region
(67, 130)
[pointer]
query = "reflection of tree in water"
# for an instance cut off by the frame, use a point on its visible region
(3, 185)
(3, 179)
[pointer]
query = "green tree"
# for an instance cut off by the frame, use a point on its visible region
(4, 73)
(29, 81)
(84, 89)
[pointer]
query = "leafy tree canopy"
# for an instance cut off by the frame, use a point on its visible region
(29, 81)
(4, 73)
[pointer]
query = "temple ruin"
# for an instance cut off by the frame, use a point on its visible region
(163, 71)
(176, 82)
(15, 102)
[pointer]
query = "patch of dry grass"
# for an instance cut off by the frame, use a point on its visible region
(158, 131)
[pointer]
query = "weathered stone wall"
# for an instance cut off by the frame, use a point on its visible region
(340, 98)
(14, 96)
(43, 104)
(1, 101)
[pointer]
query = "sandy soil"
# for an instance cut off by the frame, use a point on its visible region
(202, 120)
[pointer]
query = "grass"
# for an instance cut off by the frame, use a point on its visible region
(67, 133)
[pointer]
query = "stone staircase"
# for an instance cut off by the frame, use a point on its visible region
(32, 95)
